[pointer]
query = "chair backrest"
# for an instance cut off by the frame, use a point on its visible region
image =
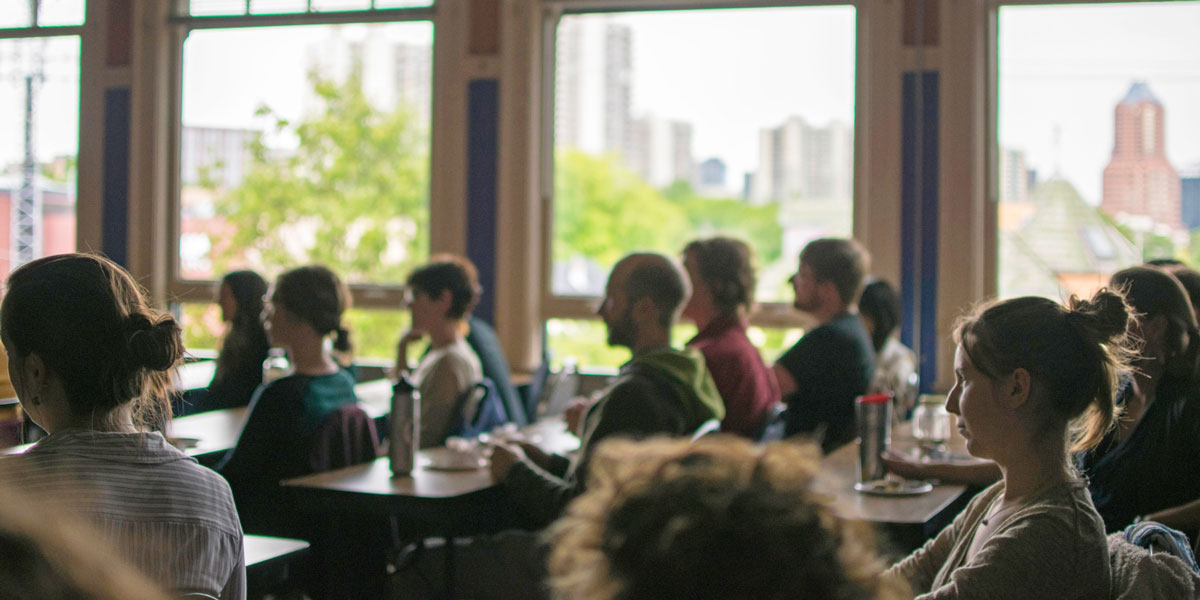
(482, 339)
(708, 427)
(480, 409)
(773, 424)
(345, 437)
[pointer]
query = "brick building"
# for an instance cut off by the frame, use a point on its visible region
(1139, 180)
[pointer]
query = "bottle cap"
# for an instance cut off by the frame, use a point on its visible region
(875, 399)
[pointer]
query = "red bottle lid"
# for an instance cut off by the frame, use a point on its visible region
(874, 399)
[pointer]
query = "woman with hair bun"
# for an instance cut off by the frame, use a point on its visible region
(90, 361)
(304, 310)
(441, 295)
(1034, 380)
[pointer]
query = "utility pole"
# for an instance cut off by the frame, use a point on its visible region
(27, 210)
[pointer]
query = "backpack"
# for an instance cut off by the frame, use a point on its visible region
(483, 400)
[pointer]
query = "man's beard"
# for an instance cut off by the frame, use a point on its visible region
(623, 331)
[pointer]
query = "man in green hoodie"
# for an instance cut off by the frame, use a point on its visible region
(660, 391)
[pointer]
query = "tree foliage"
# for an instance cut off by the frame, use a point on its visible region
(603, 210)
(353, 195)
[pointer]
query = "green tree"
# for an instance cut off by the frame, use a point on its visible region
(758, 226)
(603, 210)
(353, 195)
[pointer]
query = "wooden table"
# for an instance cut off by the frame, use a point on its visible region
(271, 562)
(432, 502)
(907, 520)
(209, 435)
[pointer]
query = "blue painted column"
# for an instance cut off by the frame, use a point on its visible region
(919, 220)
(483, 114)
(115, 212)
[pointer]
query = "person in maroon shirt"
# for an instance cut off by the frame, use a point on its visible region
(722, 294)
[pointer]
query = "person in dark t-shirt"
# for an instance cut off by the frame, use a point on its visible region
(833, 363)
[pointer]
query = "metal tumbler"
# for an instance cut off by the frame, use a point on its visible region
(873, 414)
(404, 427)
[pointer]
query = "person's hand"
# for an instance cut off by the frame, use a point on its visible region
(903, 466)
(504, 456)
(575, 413)
(410, 336)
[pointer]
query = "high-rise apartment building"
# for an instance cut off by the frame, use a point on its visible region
(214, 155)
(1189, 196)
(392, 72)
(1139, 180)
(660, 150)
(710, 174)
(1015, 184)
(413, 64)
(593, 86)
(798, 162)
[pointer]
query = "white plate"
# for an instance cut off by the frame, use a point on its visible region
(446, 459)
(892, 487)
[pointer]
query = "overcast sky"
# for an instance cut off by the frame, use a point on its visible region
(731, 73)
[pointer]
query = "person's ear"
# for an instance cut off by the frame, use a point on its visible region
(1018, 390)
(444, 300)
(645, 310)
(34, 376)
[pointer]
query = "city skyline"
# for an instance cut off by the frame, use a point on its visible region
(1057, 82)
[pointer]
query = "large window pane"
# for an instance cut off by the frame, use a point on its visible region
(39, 139)
(1098, 114)
(584, 343)
(674, 125)
(374, 333)
(316, 149)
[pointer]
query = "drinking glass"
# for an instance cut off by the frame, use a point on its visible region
(931, 426)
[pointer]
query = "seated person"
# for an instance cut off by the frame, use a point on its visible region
(60, 558)
(90, 361)
(720, 518)
(305, 309)
(1031, 377)
(895, 364)
(722, 279)
(240, 363)
(1144, 467)
(833, 363)
(661, 390)
(486, 345)
(441, 294)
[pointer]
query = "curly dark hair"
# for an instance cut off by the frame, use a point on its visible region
(448, 272)
(720, 518)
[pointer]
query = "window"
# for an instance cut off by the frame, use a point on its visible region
(1097, 109)
(674, 125)
(316, 150)
(584, 342)
(39, 129)
(648, 153)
